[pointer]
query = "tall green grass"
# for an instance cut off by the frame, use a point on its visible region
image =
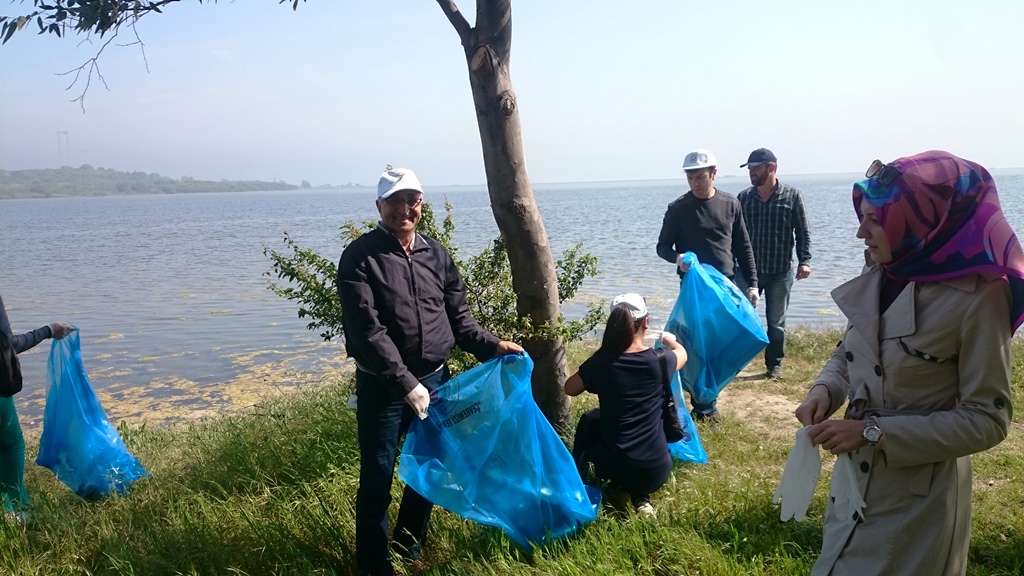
(272, 492)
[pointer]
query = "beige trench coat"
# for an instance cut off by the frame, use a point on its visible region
(935, 371)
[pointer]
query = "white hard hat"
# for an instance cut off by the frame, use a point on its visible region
(698, 159)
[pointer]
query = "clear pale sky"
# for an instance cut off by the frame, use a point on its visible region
(607, 90)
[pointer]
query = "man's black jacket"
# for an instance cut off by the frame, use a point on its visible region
(403, 315)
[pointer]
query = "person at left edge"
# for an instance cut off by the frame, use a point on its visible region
(13, 496)
(405, 310)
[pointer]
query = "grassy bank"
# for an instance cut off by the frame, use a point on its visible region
(272, 492)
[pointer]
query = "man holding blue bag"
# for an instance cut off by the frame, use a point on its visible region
(405, 309)
(709, 223)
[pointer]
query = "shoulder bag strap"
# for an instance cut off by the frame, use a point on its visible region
(660, 353)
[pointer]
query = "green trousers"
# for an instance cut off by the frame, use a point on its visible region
(12, 458)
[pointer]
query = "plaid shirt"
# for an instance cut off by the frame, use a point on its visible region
(775, 227)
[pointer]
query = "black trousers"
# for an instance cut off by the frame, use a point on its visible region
(382, 423)
(589, 449)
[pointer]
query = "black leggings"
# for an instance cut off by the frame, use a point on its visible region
(588, 448)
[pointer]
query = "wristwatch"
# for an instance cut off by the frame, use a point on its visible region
(872, 433)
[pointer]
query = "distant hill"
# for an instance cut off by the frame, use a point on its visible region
(88, 181)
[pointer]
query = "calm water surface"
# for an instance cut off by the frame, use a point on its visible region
(170, 295)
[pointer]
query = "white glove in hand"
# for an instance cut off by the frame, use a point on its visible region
(419, 399)
(683, 266)
(667, 337)
(752, 296)
(844, 490)
(799, 478)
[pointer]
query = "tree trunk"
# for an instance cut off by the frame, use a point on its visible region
(488, 48)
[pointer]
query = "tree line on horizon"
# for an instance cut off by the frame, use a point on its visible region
(86, 180)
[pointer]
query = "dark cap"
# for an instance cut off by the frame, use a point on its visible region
(760, 156)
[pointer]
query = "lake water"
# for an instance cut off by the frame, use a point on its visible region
(176, 320)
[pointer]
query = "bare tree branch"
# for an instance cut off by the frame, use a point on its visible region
(458, 21)
(90, 66)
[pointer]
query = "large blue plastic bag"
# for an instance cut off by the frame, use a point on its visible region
(718, 327)
(78, 443)
(486, 453)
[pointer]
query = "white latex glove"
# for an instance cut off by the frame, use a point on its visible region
(667, 337)
(752, 296)
(683, 266)
(844, 490)
(419, 399)
(799, 478)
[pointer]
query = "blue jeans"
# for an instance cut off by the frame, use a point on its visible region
(382, 423)
(776, 289)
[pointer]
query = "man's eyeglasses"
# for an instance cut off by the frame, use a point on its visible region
(410, 201)
(886, 173)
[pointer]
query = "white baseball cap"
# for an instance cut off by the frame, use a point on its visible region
(635, 302)
(699, 158)
(397, 179)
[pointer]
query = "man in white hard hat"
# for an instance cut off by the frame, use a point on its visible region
(709, 223)
(404, 306)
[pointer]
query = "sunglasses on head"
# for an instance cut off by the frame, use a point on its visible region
(886, 173)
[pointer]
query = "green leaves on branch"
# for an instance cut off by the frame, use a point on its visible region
(87, 16)
(309, 280)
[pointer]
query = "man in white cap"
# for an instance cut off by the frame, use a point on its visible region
(404, 306)
(709, 223)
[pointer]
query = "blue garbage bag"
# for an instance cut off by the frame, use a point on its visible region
(78, 443)
(718, 327)
(486, 453)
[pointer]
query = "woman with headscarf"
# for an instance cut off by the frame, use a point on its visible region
(13, 497)
(624, 438)
(924, 366)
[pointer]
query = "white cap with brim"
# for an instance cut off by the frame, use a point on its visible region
(635, 302)
(395, 180)
(698, 159)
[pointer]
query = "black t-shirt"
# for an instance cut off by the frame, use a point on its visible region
(630, 392)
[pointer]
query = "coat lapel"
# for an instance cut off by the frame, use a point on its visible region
(858, 300)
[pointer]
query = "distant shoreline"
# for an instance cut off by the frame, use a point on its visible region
(86, 181)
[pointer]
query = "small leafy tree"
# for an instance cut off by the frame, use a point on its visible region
(308, 279)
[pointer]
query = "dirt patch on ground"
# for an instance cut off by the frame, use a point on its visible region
(769, 414)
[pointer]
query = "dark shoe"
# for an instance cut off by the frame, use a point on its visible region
(411, 553)
(774, 373)
(705, 417)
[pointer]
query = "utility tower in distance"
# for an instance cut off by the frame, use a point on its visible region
(63, 148)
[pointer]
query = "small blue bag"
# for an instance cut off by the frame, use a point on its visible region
(718, 327)
(78, 443)
(487, 453)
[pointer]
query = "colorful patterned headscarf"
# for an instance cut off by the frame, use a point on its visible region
(942, 219)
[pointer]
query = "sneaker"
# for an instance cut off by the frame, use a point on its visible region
(774, 373)
(644, 507)
(705, 417)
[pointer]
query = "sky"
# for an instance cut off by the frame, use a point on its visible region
(334, 91)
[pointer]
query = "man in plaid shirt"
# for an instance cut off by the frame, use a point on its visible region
(776, 222)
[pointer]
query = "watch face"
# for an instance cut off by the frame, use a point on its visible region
(872, 433)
